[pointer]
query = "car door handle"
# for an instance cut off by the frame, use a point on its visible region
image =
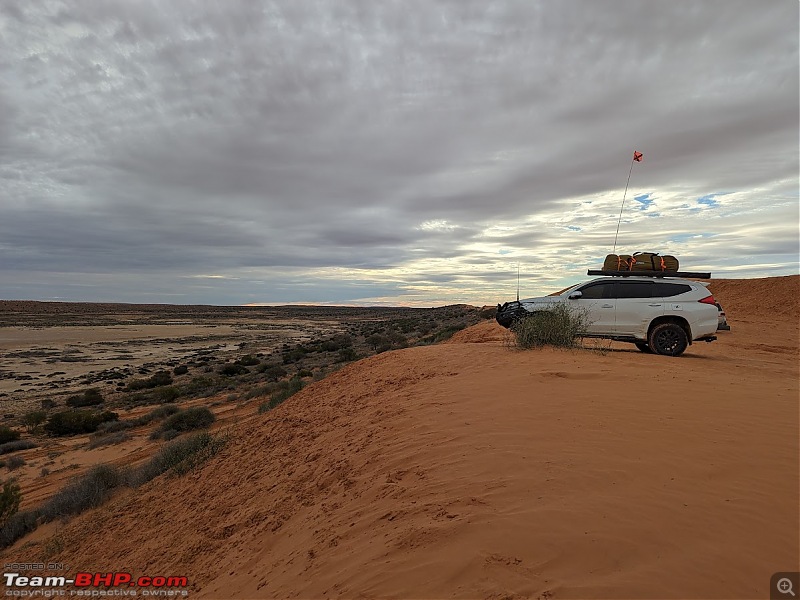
(654, 305)
(607, 306)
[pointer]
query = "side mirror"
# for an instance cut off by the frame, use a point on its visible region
(575, 295)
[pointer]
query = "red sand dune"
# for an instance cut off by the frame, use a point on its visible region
(473, 470)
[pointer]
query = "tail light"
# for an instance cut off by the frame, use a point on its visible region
(708, 300)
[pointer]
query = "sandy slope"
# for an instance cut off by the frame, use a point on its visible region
(470, 469)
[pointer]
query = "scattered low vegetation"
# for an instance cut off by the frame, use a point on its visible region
(14, 462)
(33, 420)
(74, 422)
(98, 485)
(88, 491)
(9, 447)
(190, 419)
(286, 390)
(10, 498)
(8, 435)
(559, 326)
(179, 457)
(91, 397)
(158, 379)
(97, 441)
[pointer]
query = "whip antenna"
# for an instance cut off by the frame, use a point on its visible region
(637, 157)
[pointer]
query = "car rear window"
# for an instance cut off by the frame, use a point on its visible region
(665, 289)
(634, 289)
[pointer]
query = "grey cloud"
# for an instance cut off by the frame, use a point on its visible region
(191, 137)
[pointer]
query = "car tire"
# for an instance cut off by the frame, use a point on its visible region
(668, 339)
(644, 347)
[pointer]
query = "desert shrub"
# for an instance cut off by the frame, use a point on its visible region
(168, 394)
(88, 491)
(558, 326)
(17, 526)
(180, 370)
(157, 379)
(74, 422)
(10, 498)
(162, 412)
(201, 385)
(8, 435)
(14, 462)
(14, 446)
(292, 356)
(446, 333)
(117, 437)
(33, 419)
(179, 456)
(286, 390)
(248, 360)
(274, 372)
(90, 397)
(379, 343)
(305, 373)
(488, 313)
(114, 426)
(197, 417)
(346, 355)
(232, 369)
(48, 403)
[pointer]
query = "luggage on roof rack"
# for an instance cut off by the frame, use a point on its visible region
(640, 261)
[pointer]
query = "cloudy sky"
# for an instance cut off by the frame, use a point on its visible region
(401, 152)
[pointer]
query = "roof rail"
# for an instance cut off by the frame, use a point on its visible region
(650, 274)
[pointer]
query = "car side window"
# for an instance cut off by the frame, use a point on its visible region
(634, 289)
(665, 289)
(596, 291)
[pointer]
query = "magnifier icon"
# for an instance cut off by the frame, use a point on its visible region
(784, 586)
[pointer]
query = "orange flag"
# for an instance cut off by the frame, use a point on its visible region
(637, 156)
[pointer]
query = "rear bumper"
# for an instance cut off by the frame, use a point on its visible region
(707, 338)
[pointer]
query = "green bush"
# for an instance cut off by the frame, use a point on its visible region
(15, 446)
(233, 369)
(201, 385)
(10, 498)
(559, 326)
(74, 422)
(157, 379)
(179, 457)
(168, 393)
(19, 525)
(197, 417)
(286, 390)
(88, 491)
(32, 420)
(117, 437)
(8, 435)
(248, 360)
(91, 397)
(274, 372)
(14, 462)
(180, 370)
(346, 355)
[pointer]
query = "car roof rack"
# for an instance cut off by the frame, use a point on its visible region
(650, 274)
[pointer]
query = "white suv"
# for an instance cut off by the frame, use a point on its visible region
(661, 315)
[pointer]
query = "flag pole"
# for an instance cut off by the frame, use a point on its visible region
(623, 200)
